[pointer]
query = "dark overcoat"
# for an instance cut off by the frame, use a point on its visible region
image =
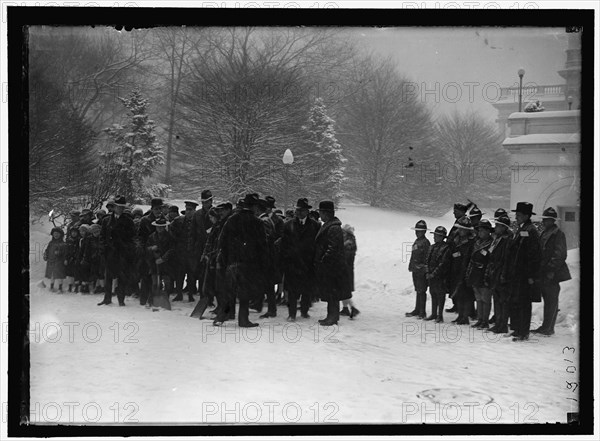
(117, 243)
(438, 266)
(330, 262)
(54, 255)
(297, 252)
(554, 254)
(243, 252)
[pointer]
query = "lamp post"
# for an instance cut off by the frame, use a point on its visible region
(288, 159)
(521, 72)
(570, 101)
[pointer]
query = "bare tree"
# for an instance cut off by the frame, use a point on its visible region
(385, 132)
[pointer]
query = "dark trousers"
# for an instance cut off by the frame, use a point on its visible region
(520, 309)
(146, 288)
(120, 290)
(438, 298)
(271, 299)
(187, 265)
(293, 295)
(420, 284)
(550, 291)
(239, 279)
(501, 296)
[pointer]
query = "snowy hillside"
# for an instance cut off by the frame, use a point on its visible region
(129, 364)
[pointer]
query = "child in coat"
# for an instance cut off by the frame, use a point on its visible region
(54, 255)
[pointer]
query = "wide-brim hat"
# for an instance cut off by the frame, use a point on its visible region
(503, 220)
(484, 223)
(303, 203)
(525, 208)
(156, 202)
(464, 223)
(191, 202)
(271, 201)
(476, 212)
(440, 231)
(420, 226)
(206, 195)
(161, 222)
(500, 212)
(461, 207)
(225, 206)
(326, 206)
(120, 201)
(251, 199)
(550, 213)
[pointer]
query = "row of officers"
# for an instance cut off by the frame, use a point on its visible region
(247, 252)
(507, 265)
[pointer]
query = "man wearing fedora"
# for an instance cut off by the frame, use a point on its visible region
(144, 231)
(418, 267)
(297, 253)
(117, 243)
(330, 263)
(201, 226)
(553, 268)
(243, 253)
(188, 255)
(525, 268)
(438, 264)
(496, 275)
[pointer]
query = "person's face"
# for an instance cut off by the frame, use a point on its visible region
(419, 233)
(172, 215)
(82, 233)
(56, 235)
(213, 219)
(438, 238)
(521, 217)
(207, 204)
(110, 208)
(548, 222)
(476, 219)
(156, 211)
(137, 216)
(119, 210)
(164, 210)
(500, 229)
(161, 230)
(462, 232)
(483, 233)
(458, 213)
(96, 233)
(301, 213)
(189, 210)
(325, 215)
(74, 234)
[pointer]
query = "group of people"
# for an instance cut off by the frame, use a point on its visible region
(477, 264)
(248, 253)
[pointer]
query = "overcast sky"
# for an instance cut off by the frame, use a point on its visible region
(467, 55)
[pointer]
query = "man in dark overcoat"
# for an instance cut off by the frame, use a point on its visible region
(146, 263)
(553, 268)
(201, 225)
(525, 269)
(187, 252)
(117, 243)
(418, 267)
(330, 263)
(243, 252)
(297, 254)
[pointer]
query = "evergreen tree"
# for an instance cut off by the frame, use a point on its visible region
(136, 152)
(326, 170)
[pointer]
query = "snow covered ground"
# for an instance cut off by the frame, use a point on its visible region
(132, 364)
